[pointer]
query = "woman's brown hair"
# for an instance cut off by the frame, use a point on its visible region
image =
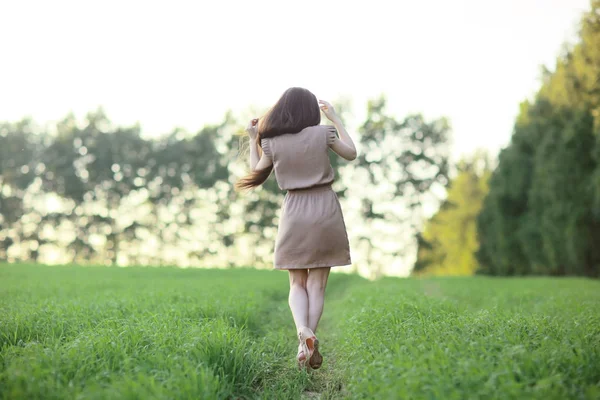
(295, 110)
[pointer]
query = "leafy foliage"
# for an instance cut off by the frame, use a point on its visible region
(448, 242)
(541, 215)
(400, 165)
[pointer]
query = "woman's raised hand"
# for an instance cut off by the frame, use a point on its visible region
(327, 110)
(252, 128)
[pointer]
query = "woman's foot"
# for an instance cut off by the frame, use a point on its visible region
(307, 344)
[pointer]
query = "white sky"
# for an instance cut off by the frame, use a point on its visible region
(184, 63)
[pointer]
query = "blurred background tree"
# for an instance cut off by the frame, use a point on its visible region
(90, 191)
(448, 242)
(400, 164)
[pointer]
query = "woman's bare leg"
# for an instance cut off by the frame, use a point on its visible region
(315, 287)
(298, 298)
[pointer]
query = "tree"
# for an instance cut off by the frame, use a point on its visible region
(399, 167)
(20, 148)
(448, 242)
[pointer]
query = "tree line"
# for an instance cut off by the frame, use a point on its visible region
(538, 211)
(93, 192)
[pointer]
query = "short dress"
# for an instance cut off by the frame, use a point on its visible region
(312, 232)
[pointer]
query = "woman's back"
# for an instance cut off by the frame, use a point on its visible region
(301, 160)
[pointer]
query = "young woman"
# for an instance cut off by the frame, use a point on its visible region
(312, 234)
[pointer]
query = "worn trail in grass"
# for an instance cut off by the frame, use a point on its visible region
(75, 332)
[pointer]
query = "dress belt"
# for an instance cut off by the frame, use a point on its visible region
(306, 189)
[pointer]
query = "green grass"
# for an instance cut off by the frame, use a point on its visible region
(150, 333)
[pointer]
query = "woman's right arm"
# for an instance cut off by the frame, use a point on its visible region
(344, 146)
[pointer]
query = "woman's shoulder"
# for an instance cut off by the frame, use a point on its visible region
(309, 130)
(313, 131)
(319, 130)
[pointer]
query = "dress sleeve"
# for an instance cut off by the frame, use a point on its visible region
(331, 136)
(265, 144)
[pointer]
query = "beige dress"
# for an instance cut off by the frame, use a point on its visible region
(312, 232)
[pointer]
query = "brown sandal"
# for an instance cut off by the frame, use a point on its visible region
(307, 342)
(316, 360)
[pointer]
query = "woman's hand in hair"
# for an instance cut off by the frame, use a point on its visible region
(328, 110)
(252, 128)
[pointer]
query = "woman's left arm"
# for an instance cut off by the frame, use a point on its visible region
(254, 154)
(258, 162)
(264, 163)
(258, 159)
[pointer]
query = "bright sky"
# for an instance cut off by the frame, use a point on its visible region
(184, 63)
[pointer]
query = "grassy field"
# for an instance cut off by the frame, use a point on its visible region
(135, 333)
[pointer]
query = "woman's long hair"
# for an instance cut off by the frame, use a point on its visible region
(295, 110)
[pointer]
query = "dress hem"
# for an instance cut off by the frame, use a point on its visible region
(315, 265)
